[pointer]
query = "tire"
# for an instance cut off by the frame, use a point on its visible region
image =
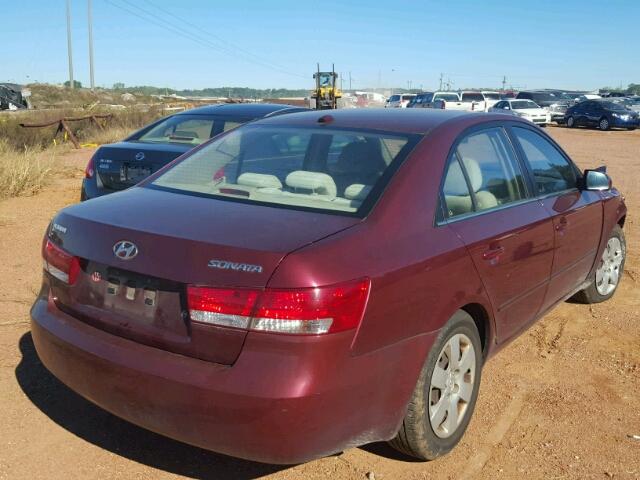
(596, 291)
(603, 124)
(417, 437)
(571, 122)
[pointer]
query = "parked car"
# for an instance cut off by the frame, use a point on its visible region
(399, 101)
(439, 100)
(307, 283)
(603, 114)
(478, 101)
(120, 165)
(554, 102)
(523, 108)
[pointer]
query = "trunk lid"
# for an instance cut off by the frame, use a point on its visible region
(121, 165)
(180, 240)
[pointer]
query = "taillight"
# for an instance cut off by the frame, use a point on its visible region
(443, 105)
(304, 311)
(60, 264)
(90, 170)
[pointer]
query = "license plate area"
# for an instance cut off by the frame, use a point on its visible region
(134, 173)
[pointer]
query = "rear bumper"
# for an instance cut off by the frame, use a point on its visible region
(90, 189)
(285, 400)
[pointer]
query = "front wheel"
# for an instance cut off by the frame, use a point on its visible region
(609, 272)
(445, 395)
(571, 122)
(603, 124)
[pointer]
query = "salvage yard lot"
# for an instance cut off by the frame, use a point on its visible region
(560, 402)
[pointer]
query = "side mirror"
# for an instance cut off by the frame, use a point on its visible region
(596, 180)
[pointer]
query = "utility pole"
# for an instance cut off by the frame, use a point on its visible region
(69, 44)
(409, 84)
(89, 15)
(349, 81)
(440, 82)
(504, 82)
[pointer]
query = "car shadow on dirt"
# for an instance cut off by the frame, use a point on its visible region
(91, 423)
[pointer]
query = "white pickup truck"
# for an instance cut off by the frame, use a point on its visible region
(443, 100)
(478, 101)
(465, 101)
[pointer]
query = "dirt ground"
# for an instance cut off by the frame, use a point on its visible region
(562, 401)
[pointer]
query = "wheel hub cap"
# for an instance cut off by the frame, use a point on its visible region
(452, 384)
(608, 272)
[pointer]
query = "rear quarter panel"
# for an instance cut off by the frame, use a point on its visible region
(420, 274)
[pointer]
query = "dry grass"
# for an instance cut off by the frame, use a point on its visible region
(24, 172)
(122, 121)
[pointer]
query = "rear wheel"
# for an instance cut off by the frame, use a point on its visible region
(571, 122)
(445, 395)
(603, 124)
(609, 272)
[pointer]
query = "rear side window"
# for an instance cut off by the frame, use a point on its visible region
(291, 167)
(551, 170)
(483, 174)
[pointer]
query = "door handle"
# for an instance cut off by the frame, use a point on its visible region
(562, 224)
(493, 253)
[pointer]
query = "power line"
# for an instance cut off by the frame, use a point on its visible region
(212, 35)
(162, 23)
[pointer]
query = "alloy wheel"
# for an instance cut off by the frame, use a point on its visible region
(604, 124)
(452, 383)
(608, 272)
(570, 122)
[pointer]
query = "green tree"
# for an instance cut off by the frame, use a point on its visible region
(76, 84)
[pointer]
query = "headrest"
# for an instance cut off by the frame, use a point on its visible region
(317, 182)
(357, 191)
(259, 180)
(455, 183)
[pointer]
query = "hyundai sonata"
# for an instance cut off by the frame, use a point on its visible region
(312, 282)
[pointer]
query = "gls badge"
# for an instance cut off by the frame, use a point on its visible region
(227, 265)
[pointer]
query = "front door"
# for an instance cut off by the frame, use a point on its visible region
(508, 234)
(576, 214)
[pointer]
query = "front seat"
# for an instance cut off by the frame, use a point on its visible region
(359, 162)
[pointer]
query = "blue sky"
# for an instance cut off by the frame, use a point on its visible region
(545, 43)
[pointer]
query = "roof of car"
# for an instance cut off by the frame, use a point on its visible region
(420, 120)
(240, 109)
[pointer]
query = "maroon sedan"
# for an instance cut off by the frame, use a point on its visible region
(312, 282)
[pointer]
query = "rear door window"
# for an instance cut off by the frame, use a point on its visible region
(483, 174)
(552, 172)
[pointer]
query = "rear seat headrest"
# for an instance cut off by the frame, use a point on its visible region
(357, 191)
(455, 184)
(259, 180)
(319, 183)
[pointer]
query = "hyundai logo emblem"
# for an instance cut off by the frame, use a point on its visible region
(125, 250)
(140, 156)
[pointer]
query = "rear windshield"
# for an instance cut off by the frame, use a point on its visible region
(449, 97)
(522, 104)
(491, 95)
(301, 168)
(394, 98)
(408, 97)
(472, 97)
(189, 129)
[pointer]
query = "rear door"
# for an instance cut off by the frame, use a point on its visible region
(508, 234)
(577, 214)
